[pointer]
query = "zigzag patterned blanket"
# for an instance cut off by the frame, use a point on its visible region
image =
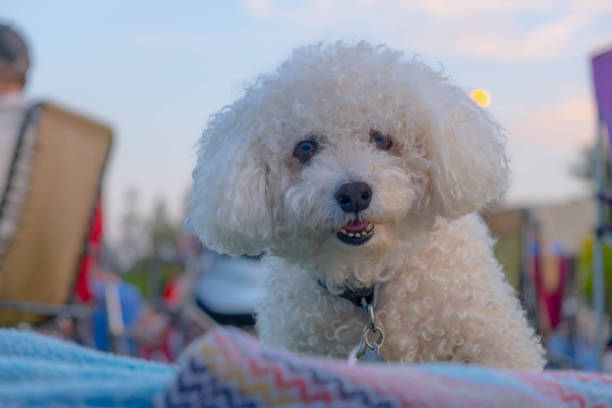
(227, 368)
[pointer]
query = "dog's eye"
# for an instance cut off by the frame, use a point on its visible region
(305, 150)
(382, 140)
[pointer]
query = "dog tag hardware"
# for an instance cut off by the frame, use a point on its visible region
(370, 356)
(372, 339)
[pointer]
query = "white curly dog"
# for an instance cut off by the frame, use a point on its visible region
(352, 166)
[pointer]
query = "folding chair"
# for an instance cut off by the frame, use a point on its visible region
(48, 198)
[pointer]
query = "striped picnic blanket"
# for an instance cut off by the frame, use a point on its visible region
(227, 368)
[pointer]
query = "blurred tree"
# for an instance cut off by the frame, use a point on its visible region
(133, 243)
(584, 169)
(163, 232)
(147, 247)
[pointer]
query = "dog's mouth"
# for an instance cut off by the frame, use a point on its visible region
(356, 232)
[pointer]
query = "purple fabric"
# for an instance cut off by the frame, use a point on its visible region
(602, 79)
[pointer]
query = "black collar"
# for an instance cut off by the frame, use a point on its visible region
(359, 297)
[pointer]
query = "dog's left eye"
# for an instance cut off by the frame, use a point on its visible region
(382, 140)
(305, 150)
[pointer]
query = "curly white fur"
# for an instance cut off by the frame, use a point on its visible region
(445, 297)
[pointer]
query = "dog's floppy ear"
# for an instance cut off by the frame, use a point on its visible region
(468, 152)
(229, 206)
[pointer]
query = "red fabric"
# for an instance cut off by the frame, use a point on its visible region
(89, 260)
(551, 302)
(172, 292)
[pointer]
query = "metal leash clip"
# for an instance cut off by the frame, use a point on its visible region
(372, 337)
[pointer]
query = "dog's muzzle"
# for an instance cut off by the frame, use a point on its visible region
(356, 232)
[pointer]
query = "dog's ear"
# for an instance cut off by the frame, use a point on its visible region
(467, 148)
(229, 206)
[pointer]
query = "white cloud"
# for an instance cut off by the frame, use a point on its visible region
(454, 9)
(568, 125)
(592, 6)
(500, 30)
(545, 144)
(543, 42)
(258, 8)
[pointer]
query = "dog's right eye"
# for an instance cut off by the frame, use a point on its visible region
(305, 150)
(382, 140)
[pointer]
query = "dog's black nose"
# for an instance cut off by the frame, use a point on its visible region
(354, 197)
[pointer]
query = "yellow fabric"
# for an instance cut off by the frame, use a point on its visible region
(44, 254)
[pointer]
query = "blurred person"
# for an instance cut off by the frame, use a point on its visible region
(14, 67)
(14, 63)
(118, 310)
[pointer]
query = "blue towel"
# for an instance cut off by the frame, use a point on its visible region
(37, 370)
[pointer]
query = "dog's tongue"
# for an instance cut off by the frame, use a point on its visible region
(355, 226)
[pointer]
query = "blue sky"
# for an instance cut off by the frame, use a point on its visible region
(156, 70)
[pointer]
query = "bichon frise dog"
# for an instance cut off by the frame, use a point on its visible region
(351, 167)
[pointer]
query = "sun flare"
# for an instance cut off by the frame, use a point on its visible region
(482, 97)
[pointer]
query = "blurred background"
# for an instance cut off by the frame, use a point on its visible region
(143, 77)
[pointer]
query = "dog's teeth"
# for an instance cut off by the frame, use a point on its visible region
(357, 235)
(343, 231)
(369, 227)
(350, 234)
